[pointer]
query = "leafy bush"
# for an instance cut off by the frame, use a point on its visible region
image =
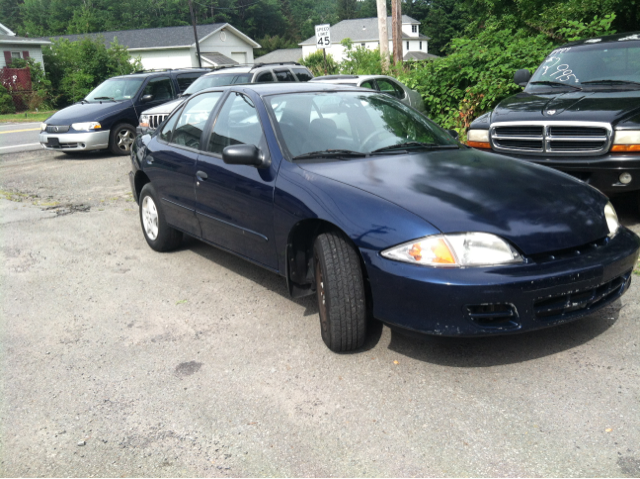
(6, 102)
(360, 60)
(75, 68)
(315, 62)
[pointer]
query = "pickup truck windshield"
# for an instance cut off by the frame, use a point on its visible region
(208, 81)
(595, 65)
(115, 89)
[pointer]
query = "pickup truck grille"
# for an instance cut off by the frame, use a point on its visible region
(552, 138)
(155, 120)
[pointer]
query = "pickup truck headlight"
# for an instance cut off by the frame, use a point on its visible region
(612, 219)
(144, 121)
(88, 126)
(456, 250)
(626, 141)
(478, 139)
(43, 126)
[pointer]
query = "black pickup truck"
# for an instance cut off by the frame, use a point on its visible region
(579, 113)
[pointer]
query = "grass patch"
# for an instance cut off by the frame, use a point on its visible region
(26, 116)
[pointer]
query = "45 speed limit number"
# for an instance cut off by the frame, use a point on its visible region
(323, 36)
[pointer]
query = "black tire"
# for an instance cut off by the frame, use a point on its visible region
(163, 237)
(340, 292)
(121, 139)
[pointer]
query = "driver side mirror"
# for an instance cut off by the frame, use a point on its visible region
(245, 155)
(146, 98)
(522, 77)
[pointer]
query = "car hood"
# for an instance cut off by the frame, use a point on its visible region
(165, 108)
(604, 106)
(79, 112)
(535, 208)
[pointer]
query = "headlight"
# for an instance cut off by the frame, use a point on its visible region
(144, 121)
(43, 126)
(612, 219)
(455, 250)
(626, 141)
(478, 138)
(88, 126)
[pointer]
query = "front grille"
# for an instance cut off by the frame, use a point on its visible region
(569, 252)
(566, 305)
(552, 138)
(155, 120)
(57, 128)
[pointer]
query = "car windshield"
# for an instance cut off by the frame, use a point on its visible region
(593, 65)
(208, 81)
(354, 123)
(116, 89)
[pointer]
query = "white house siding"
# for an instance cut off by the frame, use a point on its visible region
(165, 58)
(337, 51)
(35, 52)
(227, 43)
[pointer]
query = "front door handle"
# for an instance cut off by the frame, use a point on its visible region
(201, 175)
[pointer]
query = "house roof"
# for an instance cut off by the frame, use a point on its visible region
(5, 31)
(281, 55)
(364, 30)
(4, 39)
(420, 56)
(217, 59)
(164, 37)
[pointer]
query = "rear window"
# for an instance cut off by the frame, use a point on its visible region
(303, 74)
(186, 79)
(284, 75)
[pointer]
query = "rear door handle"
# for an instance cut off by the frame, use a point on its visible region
(201, 175)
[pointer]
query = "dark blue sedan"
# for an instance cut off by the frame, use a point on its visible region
(355, 197)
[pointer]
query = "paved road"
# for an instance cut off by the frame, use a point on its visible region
(119, 361)
(15, 137)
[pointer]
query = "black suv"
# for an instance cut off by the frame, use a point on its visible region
(579, 113)
(108, 116)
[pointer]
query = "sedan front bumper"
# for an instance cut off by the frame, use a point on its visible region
(91, 140)
(506, 299)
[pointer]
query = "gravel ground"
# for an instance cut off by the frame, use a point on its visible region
(119, 361)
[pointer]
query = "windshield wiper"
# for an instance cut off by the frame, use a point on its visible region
(415, 144)
(554, 83)
(330, 154)
(611, 82)
(104, 98)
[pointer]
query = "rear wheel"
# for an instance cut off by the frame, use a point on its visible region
(159, 235)
(121, 139)
(340, 292)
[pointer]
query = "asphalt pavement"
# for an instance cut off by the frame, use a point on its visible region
(120, 361)
(16, 137)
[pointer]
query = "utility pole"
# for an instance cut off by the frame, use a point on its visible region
(382, 33)
(396, 29)
(195, 33)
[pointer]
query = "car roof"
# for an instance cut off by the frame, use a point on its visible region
(620, 37)
(145, 74)
(253, 67)
(274, 88)
(347, 78)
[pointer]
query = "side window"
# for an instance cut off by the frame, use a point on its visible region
(367, 84)
(284, 75)
(264, 77)
(192, 119)
(237, 124)
(186, 79)
(165, 134)
(303, 74)
(161, 88)
(390, 87)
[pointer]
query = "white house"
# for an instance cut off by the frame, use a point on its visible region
(364, 32)
(13, 47)
(175, 47)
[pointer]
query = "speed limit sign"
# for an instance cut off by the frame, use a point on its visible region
(323, 36)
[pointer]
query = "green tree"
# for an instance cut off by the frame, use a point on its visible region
(347, 9)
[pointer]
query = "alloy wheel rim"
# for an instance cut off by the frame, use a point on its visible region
(150, 218)
(125, 140)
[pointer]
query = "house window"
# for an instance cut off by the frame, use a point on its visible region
(16, 55)
(414, 28)
(420, 45)
(362, 45)
(407, 45)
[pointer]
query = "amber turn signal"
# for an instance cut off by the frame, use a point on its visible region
(479, 144)
(625, 149)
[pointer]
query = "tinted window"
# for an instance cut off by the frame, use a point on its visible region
(368, 84)
(161, 88)
(387, 86)
(218, 79)
(237, 124)
(284, 75)
(165, 134)
(186, 79)
(264, 77)
(192, 119)
(302, 74)
(116, 89)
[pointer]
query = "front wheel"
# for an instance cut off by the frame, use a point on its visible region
(340, 292)
(121, 139)
(159, 235)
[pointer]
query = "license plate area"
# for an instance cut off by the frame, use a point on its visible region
(53, 141)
